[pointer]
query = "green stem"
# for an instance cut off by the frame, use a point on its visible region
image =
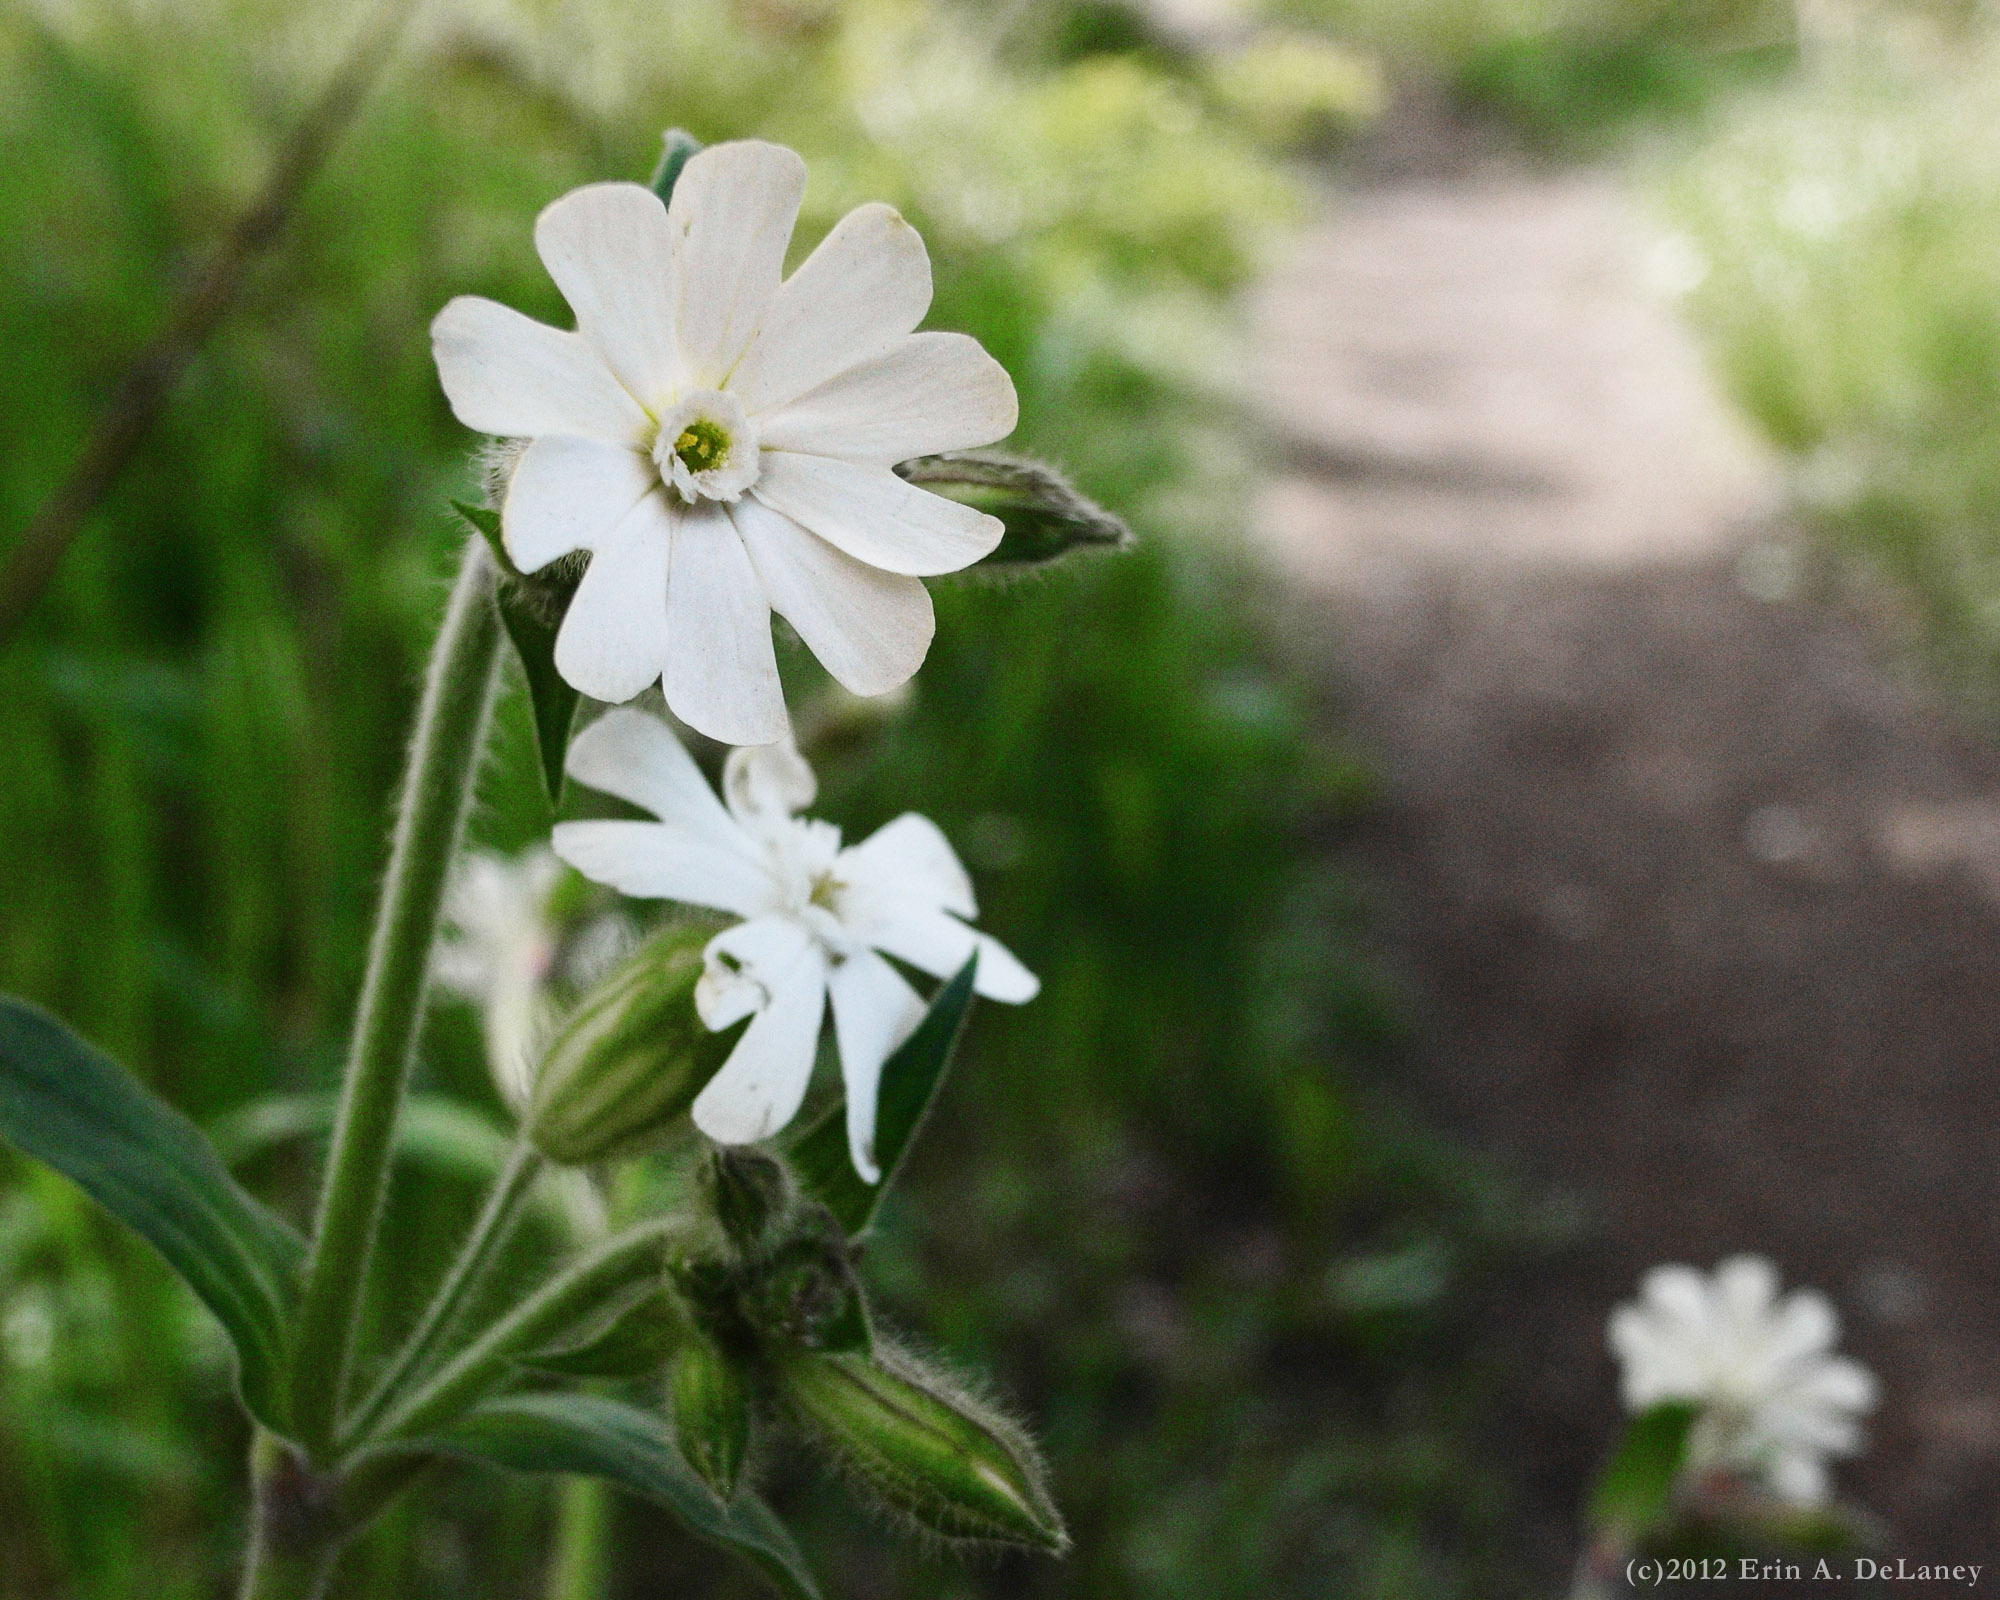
(475, 1260)
(562, 1304)
(296, 1532)
(581, 1566)
(437, 792)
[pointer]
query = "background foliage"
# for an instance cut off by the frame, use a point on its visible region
(1165, 1206)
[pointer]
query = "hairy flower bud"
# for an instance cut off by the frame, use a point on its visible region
(711, 1404)
(804, 1292)
(1045, 517)
(631, 1058)
(748, 1189)
(924, 1449)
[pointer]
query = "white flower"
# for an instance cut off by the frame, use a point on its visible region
(500, 955)
(817, 918)
(1775, 1401)
(721, 441)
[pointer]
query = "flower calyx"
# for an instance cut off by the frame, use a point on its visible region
(925, 1450)
(627, 1065)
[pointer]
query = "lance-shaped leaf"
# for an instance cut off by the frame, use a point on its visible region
(637, 1341)
(1045, 516)
(601, 1438)
(910, 1080)
(1635, 1490)
(532, 610)
(66, 1103)
(675, 148)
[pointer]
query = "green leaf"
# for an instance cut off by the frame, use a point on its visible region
(1046, 518)
(532, 609)
(601, 1438)
(910, 1080)
(1634, 1492)
(637, 1342)
(67, 1104)
(676, 147)
(446, 1134)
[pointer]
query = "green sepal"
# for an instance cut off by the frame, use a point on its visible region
(805, 1293)
(910, 1079)
(675, 148)
(532, 612)
(637, 1342)
(1634, 1492)
(66, 1103)
(602, 1438)
(1045, 517)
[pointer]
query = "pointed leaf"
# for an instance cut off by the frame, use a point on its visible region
(675, 149)
(66, 1103)
(532, 609)
(1045, 517)
(601, 1438)
(1634, 1492)
(635, 1343)
(910, 1080)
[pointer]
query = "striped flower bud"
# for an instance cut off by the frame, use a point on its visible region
(632, 1057)
(953, 1466)
(711, 1404)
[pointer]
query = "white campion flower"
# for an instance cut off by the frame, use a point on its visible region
(1775, 1401)
(721, 441)
(817, 918)
(499, 954)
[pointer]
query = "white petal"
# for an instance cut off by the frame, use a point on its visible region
(731, 216)
(910, 858)
(762, 1084)
(637, 758)
(867, 285)
(613, 640)
(928, 392)
(1745, 1287)
(871, 629)
(873, 1012)
(737, 964)
(721, 668)
(652, 861)
(1799, 1477)
(935, 941)
(568, 494)
(874, 515)
(766, 783)
(609, 249)
(510, 375)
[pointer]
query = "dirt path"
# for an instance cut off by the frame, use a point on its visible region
(1698, 901)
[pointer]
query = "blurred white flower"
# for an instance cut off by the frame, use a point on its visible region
(721, 441)
(499, 953)
(1775, 1401)
(814, 916)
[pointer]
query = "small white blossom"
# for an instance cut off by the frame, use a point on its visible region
(499, 954)
(1775, 1401)
(817, 918)
(721, 440)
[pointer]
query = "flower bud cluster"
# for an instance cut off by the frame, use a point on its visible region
(776, 1314)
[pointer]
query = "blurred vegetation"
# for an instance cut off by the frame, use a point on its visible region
(1168, 1206)
(1838, 235)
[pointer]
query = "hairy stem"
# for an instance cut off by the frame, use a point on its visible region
(559, 1306)
(437, 792)
(475, 1260)
(296, 1532)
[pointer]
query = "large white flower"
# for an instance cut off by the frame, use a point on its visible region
(817, 918)
(1775, 1401)
(721, 441)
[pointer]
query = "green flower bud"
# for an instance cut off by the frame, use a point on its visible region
(631, 1058)
(950, 1464)
(1045, 518)
(749, 1191)
(711, 1404)
(805, 1292)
